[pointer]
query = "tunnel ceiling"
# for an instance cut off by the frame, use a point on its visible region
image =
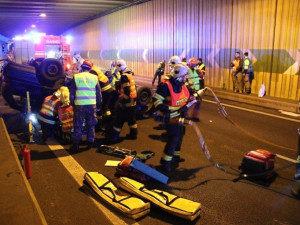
(18, 16)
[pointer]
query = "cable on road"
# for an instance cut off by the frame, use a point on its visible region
(224, 113)
(218, 166)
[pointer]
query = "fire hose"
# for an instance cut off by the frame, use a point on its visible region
(204, 146)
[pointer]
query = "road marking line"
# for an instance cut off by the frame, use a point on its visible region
(77, 172)
(289, 113)
(254, 111)
(286, 158)
(27, 184)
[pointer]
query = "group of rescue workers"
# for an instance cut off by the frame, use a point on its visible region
(242, 73)
(91, 96)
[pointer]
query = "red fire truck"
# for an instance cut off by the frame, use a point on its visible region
(40, 46)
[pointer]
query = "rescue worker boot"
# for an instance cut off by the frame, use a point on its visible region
(133, 134)
(176, 160)
(165, 165)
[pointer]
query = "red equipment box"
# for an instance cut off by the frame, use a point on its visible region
(260, 162)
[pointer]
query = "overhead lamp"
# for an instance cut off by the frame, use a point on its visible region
(33, 26)
(43, 15)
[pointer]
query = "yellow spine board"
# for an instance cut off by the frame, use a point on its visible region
(131, 206)
(180, 207)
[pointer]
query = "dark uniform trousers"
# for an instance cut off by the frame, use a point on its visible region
(175, 133)
(87, 114)
(126, 114)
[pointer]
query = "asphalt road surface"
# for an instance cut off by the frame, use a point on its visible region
(57, 179)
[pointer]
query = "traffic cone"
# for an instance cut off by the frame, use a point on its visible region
(25, 153)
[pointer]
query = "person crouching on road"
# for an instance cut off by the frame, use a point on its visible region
(170, 99)
(65, 114)
(85, 96)
(126, 107)
(48, 113)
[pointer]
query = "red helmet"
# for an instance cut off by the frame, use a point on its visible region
(192, 62)
(87, 64)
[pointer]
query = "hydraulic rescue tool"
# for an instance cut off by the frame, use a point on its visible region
(123, 152)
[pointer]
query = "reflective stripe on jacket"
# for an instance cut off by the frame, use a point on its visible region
(104, 82)
(193, 79)
(133, 93)
(85, 88)
(49, 109)
(247, 64)
(177, 100)
(65, 115)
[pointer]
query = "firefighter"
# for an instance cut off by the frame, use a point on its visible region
(172, 61)
(201, 72)
(194, 86)
(126, 107)
(114, 71)
(48, 113)
(169, 101)
(247, 73)
(236, 74)
(159, 71)
(65, 114)
(106, 91)
(85, 96)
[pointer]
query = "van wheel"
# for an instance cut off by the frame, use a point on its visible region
(51, 70)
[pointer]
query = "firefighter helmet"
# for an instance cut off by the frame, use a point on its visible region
(173, 60)
(65, 95)
(87, 64)
(121, 64)
(180, 70)
(192, 62)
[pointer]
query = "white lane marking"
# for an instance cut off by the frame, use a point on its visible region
(254, 111)
(286, 158)
(77, 172)
(289, 113)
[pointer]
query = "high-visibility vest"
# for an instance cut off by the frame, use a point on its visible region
(104, 82)
(66, 115)
(85, 88)
(177, 100)
(247, 64)
(49, 109)
(194, 79)
(133, 93)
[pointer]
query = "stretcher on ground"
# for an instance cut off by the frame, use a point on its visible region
(129, 205)
(180, 207)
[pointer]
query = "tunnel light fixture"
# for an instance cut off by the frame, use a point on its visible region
(43, 15)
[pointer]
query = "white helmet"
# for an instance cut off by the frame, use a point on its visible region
(180, 70)
(173, 60)
(121, 64)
